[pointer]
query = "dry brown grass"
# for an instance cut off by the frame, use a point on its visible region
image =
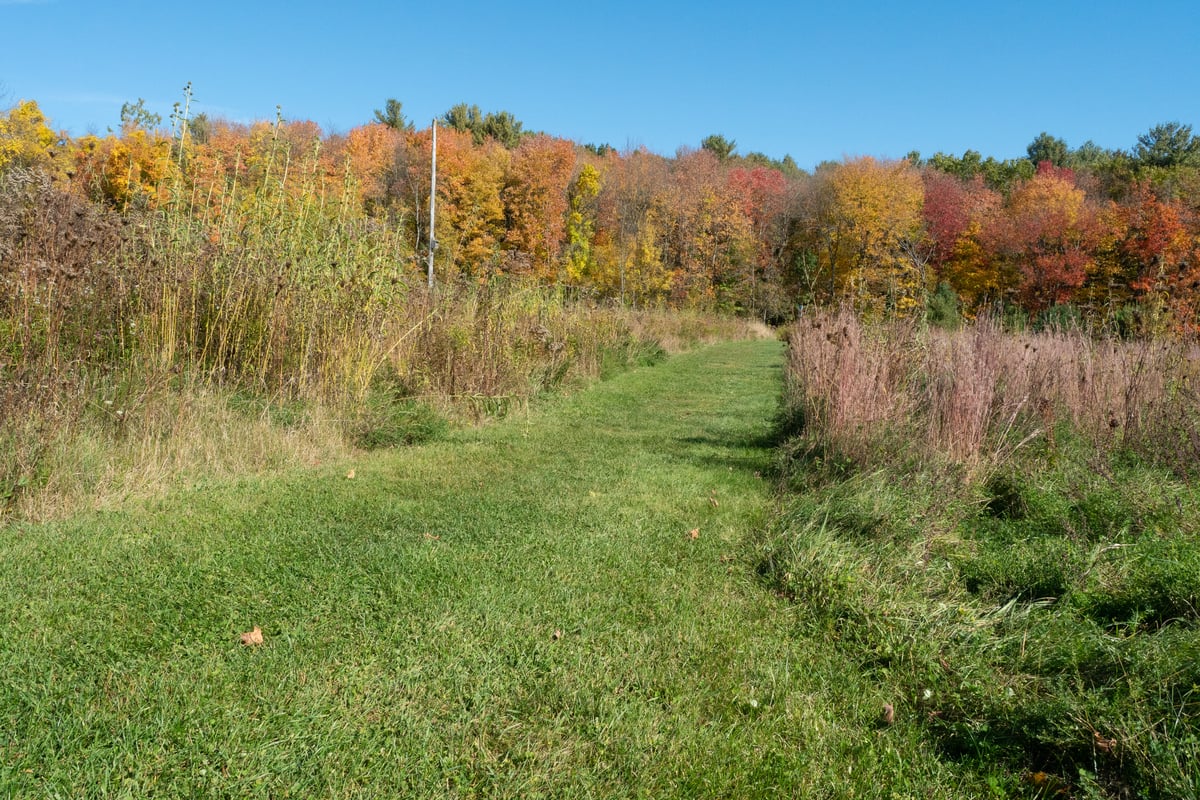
(975, 395)
(127, 337)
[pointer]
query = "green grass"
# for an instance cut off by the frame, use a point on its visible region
(1039, 630)
(512, 611)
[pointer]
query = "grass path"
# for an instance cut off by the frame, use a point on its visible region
(517, 611)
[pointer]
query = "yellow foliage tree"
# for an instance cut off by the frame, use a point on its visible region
(581, 225)
(130, 169)
(26, 139)
(868, 228)
(646, 278)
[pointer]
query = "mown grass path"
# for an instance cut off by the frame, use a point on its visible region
(519, 611)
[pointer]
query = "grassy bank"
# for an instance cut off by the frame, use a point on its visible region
(998, 533)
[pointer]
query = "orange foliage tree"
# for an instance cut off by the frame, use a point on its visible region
(1160, 255)
(371, 152)
(470, 216)
(535, 201)
(1053, 233)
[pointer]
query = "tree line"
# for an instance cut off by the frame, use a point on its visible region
(1109, 236)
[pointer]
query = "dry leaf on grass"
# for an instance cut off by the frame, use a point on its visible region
(694, 533)
(253, 638)
(350, 475)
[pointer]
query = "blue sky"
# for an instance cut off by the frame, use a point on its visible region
(814, 80)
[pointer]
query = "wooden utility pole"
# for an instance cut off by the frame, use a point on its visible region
(432, 203)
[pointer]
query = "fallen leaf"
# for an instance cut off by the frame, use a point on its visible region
(1103, 744)
(350, 475)
(557, 635)
(713, 501)
(432, 537)
(694, 533)
(253, 638)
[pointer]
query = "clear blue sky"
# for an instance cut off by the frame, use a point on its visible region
(817, 80)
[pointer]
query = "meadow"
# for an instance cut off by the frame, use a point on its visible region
(278, 519)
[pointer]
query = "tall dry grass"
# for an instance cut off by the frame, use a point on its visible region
(252, 325)
(976, 395)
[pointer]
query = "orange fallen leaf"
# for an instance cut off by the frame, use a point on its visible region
(694, 533)
(350, 475)
(253, 638)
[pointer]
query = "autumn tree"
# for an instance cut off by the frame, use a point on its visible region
(470, 216)
(124, 171)
(371, 151)
(709, 247)
(864, 227)
(630, 211)
(1160, 257)
(407, 183)
(581, 226)
(1052, 233)
(762, 193)
(535, 200)
(956, 213)
(26, 139)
